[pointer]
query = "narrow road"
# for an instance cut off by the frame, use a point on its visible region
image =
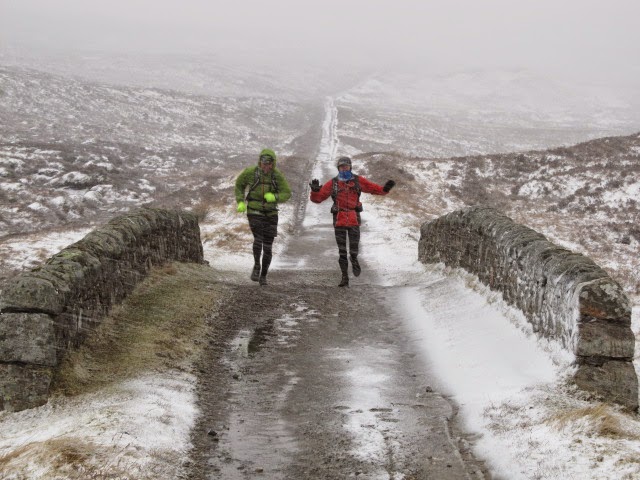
(306, 380)
(320, 382)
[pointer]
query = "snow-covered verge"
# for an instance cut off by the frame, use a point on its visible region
(123, 403)
(135, 429)
(511, 386)
(27, 251)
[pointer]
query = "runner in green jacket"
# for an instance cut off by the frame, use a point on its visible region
(258, 191)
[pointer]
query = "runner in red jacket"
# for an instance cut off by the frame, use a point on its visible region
(345, 190)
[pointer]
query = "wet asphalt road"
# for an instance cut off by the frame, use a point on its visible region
(306, 380)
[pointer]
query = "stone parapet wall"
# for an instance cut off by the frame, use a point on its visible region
(52, 308)
(564, 295)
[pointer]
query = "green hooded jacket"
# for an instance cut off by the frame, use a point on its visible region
(273, 182)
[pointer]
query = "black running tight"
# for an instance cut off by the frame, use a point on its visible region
(264, 231)
(353, 234)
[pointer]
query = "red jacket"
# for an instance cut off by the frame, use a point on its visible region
(346, 199)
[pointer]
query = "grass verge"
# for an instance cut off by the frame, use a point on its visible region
(599, 420)
(161, 325)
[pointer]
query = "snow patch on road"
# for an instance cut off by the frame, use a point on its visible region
(366, 399)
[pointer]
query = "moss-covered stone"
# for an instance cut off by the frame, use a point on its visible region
(27, 338)
(28, 294)
(23, 386)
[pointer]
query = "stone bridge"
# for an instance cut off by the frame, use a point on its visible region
(565, 296)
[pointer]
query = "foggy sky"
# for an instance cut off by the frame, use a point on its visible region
(579, 37)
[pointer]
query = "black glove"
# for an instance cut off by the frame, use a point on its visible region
(389, 185)
(315, 185)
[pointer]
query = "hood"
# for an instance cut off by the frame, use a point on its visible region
(271, 153)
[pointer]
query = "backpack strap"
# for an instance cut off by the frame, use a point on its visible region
(356, 182)
(256, 182)
(334, 189)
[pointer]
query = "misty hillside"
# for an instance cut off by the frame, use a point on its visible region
(73, 150)
(210, 75)
(479, 112)
(74, 153)
(38, 106)
(584, 197)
